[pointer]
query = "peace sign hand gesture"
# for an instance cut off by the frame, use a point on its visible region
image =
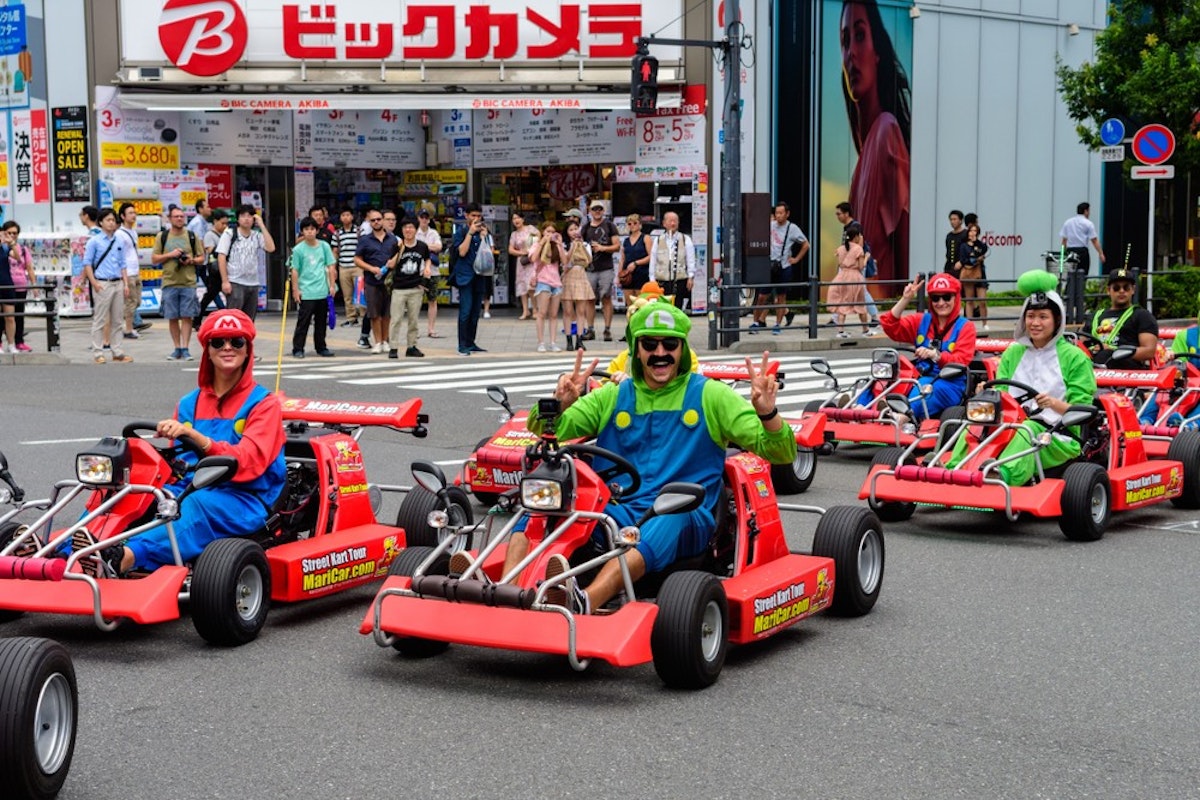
(572, 385)
(763, 386)
(910, 291)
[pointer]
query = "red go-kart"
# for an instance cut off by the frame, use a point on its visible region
(321, 537)
(747, 585)
(1114, 472)
(495, 465)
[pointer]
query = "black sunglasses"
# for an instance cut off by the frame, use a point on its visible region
(650, 345)
(218, 343)
(941, 298)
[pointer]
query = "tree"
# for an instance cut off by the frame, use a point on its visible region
(1147, 69)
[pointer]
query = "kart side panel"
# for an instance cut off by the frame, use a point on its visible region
(1042, 500)
(1145, 484)
(342, 475)
(809, 430)
(322, 565)
(621, 638)
(154, 598)
(769, 598)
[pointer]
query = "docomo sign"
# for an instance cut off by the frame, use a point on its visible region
(207, 37)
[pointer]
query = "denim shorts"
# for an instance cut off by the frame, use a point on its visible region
(544, 288)
(179, 302)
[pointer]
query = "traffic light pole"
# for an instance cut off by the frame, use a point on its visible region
(725, 333)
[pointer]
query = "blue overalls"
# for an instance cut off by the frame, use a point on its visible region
(228, 509)
(1149, 414)
(665, 446)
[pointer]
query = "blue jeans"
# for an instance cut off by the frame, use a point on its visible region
(470, 304)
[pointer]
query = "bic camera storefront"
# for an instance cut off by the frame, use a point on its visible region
(516, 106)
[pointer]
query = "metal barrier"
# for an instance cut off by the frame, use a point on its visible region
(50, 314)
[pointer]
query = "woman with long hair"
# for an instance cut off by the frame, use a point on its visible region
(548, 257)
(876, 91)
(577, 292)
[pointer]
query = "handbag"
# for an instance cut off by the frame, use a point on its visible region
(485, 259)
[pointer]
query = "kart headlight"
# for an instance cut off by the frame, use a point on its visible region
(437, 519)
(106, 464)
(629, 536)
(168, 508)
(1044, 438)
(981, 411)
(882, 371)
(542, 494)
(829, 383)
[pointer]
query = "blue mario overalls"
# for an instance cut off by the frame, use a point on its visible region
(667, 446)
(1149, 414)
(229, 509)
(945, 392)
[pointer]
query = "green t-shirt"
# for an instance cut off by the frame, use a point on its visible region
(310, 263)
(174, 273)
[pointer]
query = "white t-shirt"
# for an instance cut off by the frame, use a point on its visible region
(241, 255)
(132, 268)
(1078, 231)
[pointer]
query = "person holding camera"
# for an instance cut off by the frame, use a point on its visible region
(471, 285)
(237, 258)
(178, 251)
(789, 246)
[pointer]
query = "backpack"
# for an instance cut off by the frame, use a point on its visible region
(162, 241)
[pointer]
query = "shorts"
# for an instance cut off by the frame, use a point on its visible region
(545, 288)
(432, 290)
(179, 302)
(8, 296)
(601, 283)
(378, 302)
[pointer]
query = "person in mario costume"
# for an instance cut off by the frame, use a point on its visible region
(227, 415)
(941, 335)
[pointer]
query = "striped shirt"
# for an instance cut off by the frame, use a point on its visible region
(346, 242)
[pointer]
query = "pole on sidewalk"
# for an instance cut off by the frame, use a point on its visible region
(731, 178)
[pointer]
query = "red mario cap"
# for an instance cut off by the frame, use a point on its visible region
(943, 284)
(226, 323)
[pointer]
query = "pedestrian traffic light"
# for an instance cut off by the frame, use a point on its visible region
(643, 98)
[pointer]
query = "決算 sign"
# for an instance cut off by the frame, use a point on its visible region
(30, 157)
(208, 37)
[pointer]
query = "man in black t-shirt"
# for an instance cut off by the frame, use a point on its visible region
(954, 240)
(605, 240)
(412, 268)
(1123, 324)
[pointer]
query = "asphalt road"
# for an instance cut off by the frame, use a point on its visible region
(1001, 661)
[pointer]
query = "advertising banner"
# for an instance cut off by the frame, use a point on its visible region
(69, 138)
(16, 62)
(675, 135)
(237, 137)
(385, 139)
(553, 136)
(131, 139)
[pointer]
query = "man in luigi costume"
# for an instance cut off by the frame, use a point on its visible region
(672, 425)
(1123, 324)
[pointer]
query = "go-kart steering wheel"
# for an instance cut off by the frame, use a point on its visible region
(1027, 392)
(621, 466)
(169, 452)
(1089, 339)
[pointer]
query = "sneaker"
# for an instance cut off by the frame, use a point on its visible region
(131, 335)
(142, 326)
(174, 356)
(350, 323)
(463, 352)
(24, 348)
(984, 330)
(487, 315)
(555, 347)
(775, 331)
(412, 352)
(477, 349)
(297, 354)
(392, 353)
(184, 355)
(541, 347)
(607, 335)
(94, 563)
(122, 359)
(843, 335)
(874, 323)
(755, 327)
(326, 353)
(460, 564)
(788, 317)
(568, 590)
(364, 343)
(378, 348)
(866, 333)
(386, 345)
(589, 335)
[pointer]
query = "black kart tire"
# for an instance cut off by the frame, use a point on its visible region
(1086, 502)
(951, 420)
(1185, 448)
(813, 405)
(796, 477)
(231, 592)
(891, 511)
(690, 638)
(853, 538)
(414, 513)
(39, 715)
(406, 565)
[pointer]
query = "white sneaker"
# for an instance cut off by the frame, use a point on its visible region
(541, 347)
(555, 347)
(386, 345)
(984, 329)
(843, 335)
(378, 347)
(487, 315)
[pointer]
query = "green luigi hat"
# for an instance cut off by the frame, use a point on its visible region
(659, 320)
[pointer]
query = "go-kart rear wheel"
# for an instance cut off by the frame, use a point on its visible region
(853, 538)
(689, 639)
(231, 592)
(796, 477)
(890, 511)
(8, 532)
(413, 517)
(813, 405)
(406, 565)
(1086, 502)
(39, 710)
(1185, 447)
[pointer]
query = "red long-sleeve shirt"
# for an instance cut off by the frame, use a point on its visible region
(904, 329)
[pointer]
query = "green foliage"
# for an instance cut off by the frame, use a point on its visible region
(1146, 69)
(1175, 293)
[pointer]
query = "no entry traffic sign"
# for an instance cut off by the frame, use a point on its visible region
(1153, 144)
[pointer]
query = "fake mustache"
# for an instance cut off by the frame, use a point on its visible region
(660, 361)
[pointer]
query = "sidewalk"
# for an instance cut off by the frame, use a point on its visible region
(503, 335)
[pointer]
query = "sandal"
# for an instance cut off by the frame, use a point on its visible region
(434, 335)
(99, 359)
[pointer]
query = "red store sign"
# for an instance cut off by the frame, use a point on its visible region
(568, 183)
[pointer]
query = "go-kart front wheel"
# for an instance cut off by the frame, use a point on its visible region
(231, 592)
(406, 565)
(689, 639)
(1185, 447)
(1086, 502)
(853, 538)
(413, 517)
(796, 477)
(890, 511)
(39, 711)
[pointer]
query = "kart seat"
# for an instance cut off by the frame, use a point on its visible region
(952, 477)
(850, 414)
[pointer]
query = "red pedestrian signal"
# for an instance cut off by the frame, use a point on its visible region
(643, 87)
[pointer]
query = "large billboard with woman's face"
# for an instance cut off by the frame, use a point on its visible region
(866, 128)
